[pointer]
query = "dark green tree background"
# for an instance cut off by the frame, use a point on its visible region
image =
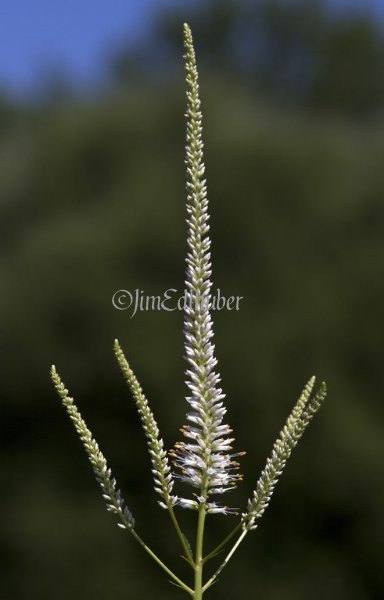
(92, 201)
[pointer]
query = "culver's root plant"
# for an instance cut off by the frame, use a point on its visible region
(204, 459)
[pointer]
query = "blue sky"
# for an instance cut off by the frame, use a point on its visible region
(75, 36)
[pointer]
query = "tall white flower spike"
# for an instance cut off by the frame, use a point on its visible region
(205, 461)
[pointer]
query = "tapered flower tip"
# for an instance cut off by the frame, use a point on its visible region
(56, 377)
(54, 373)
(116, 347)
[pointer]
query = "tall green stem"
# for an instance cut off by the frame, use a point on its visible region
(198, 594)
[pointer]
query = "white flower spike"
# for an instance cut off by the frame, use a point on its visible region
(205, 461)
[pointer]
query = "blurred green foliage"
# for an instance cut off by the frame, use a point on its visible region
(92, 201)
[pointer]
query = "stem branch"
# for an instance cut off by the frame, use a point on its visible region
(188, 554)
(223, 543)
(226, 560)
(160, 562)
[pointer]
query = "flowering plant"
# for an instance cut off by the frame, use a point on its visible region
(204, 460)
